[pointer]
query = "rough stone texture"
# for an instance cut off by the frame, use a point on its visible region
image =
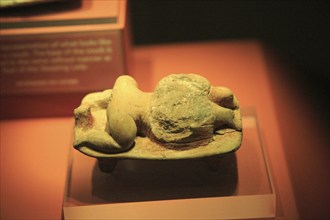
(180, 110)
(185, 117)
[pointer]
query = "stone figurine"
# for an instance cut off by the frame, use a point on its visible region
(184, 118)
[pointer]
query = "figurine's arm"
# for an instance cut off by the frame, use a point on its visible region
(122, 111)
(98, 140)
(88, 134)
(122, 128)
(87, 131)
(124, 106)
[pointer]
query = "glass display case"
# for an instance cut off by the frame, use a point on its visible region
(241, 187)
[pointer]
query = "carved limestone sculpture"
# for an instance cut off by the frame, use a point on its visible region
(183, 118)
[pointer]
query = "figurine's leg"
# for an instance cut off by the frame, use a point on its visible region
(226, 116)
(223, 97)
(107, 165)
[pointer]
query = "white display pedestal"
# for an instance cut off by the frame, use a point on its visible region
(140, 189)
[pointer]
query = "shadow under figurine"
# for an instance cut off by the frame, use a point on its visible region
(184, 118)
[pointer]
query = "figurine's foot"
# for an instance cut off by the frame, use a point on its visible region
(237, 120)
(227, 117)
(224, 97)
(107, 165)
(234, 121)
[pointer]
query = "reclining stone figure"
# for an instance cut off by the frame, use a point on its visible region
(183, 112)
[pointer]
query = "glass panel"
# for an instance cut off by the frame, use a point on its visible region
(240, 188)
